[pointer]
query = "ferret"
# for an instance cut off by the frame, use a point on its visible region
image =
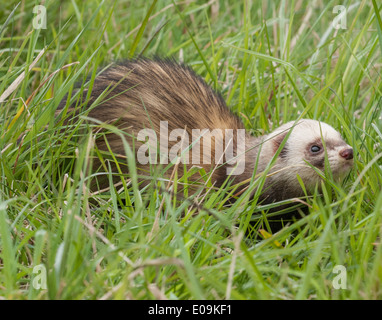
(164, 110)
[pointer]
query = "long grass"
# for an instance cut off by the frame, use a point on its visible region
(273, 62)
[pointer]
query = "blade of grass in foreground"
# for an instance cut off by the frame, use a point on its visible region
(8, 258)
(379, 23)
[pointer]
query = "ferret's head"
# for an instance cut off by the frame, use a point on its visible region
(307, 143)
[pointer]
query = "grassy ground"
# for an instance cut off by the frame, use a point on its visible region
(271, 61)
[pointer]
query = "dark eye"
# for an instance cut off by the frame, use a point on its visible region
(315, 149)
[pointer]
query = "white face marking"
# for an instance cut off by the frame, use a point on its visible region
(298, 151)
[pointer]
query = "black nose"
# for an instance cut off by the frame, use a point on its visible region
(347, 153)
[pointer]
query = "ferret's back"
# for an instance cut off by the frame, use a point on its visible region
(144, 92)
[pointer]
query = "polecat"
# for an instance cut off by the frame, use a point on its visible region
(170, 114)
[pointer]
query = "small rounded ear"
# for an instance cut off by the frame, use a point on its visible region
(277, 141)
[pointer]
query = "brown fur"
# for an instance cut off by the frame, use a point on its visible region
(143, 92)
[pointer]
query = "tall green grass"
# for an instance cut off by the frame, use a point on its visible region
(272, 62)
